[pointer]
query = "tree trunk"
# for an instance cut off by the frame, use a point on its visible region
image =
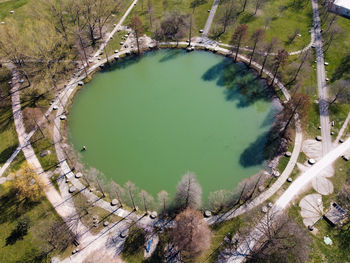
(244, 5)
(190, 33)
(251, 57)
(137, 43)
(275, 74)
(238, 46)
(263, 64)
(290, 119)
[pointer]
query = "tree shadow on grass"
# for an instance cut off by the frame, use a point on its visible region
(11, 208)
(19, 232)
(5, 154)
(342, 69)
(34, 256)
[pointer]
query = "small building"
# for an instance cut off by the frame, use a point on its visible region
(341, 7)
(335, 214)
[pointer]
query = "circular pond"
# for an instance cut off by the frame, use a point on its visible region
(149, 120)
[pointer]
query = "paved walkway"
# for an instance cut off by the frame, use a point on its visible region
(64, 208)
(64, 96)
(295, 189)
(210, 18)
(321, 83)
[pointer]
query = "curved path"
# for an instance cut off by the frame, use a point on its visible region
(64, 208)
(312, 41)
(297, 187)
(66, 171)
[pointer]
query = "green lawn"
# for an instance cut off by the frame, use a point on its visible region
(162, 7)
(8, 135)
(338, 54)
(28, 249)
(277, 23)
(7, 6)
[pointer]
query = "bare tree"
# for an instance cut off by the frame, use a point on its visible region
(12, 45)
(104, 11)
(147, 200)
(136, 25)
(118, 192)
(238, 37)
(298, 104)
(191, 234)
(258, 4)
(269, 47)
(340, 91)
(173, 26)
(279, 61)
(218, 200)
(256, 38)
(304, 58)
(150, 12)
(280, 239)
(163, 198)
(59, 236)
(332, 34)
(188, 192)
(131, 190)
(229, 14)
(244, 5)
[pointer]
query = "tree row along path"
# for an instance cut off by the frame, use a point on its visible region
(321, 83)
(64, 208)
(293, 53)
(296, 188)
(74, 80)
(66, 171)
(329, 155)
(204, 39)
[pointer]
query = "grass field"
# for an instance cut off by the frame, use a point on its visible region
(8, 135)
(28, 249)
(7, 6)
(162, 7)
(338, 54)
(279, 18)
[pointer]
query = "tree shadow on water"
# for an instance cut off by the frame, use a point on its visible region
(254, 154)
(240, 83)
(172, 54)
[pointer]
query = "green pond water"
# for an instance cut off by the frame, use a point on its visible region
(149, 120)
